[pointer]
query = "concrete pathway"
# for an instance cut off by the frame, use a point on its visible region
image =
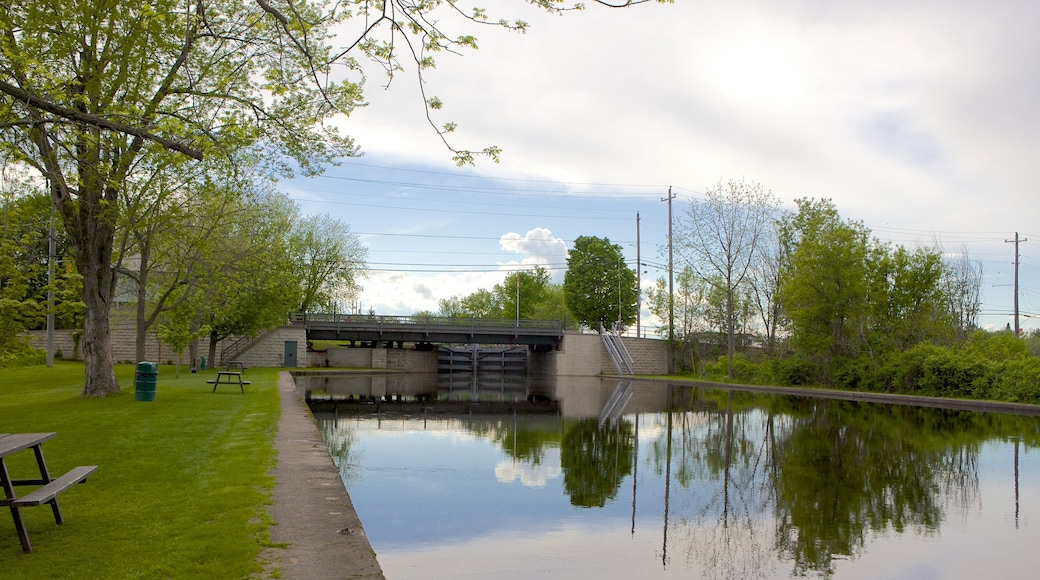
(313, 512)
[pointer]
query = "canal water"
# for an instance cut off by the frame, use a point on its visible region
(591, 478)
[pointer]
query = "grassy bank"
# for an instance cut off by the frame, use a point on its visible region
(181, 485)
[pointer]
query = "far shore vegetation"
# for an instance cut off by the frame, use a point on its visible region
(987, 366)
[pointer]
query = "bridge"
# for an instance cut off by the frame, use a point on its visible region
(540, 335)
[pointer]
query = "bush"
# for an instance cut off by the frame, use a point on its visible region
(927, 369)
(996, 346)
(19, 353)
(958, 374)
(1019, 381)
(861, 374)
(744, 371)
(794, 371)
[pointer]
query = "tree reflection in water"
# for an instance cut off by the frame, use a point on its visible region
(808, 482)
(595, 460)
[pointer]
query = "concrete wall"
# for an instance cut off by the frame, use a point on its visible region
(124, 345)
(584, 355)
(413, 361)
(269, 350)
(395, 359)
(650, 356)
(354, 358)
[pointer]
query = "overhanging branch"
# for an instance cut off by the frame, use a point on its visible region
(42, 104)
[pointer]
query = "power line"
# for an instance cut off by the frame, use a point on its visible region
(456, 210)
(514, 179)
(451, 237)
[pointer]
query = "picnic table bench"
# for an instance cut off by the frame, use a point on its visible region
(50, 488)
(231, 378)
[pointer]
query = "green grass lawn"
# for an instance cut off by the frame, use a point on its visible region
(182, 481)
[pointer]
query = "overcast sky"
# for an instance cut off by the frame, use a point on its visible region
(919, 118)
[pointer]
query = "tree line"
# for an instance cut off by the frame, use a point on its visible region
(197, 259)
(805, 296)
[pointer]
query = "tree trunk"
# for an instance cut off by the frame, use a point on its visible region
(100, 376)
(90, 222)
(730, 338)
(142, 303)
(213, 338)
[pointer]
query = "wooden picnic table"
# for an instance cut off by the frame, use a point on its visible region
(241, 366)
(47, 494)
(231, 378)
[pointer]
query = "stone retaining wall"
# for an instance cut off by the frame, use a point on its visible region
(268, 352)
(584, 355)
(396, 359)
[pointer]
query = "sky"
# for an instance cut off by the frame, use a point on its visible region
(918, 118)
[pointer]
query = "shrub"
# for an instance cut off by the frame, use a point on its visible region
(958, 374)
(744, 370)
(20, 353)
(1019, 381)
(860, 374)
(996, 346)
(795, 371)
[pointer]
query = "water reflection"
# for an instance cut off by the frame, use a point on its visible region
(717, 483)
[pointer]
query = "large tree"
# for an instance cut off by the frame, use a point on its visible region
(329, 259)
(848, 295)
(721, 237)
(764, 281)
(254, 279)
(599, 287)
(908, 304)
(94, 91)
(90, 90)
(824, 290)
(962, 284)
(174, 215)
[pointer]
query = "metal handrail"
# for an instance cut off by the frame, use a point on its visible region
(617, 351)
(428, 323)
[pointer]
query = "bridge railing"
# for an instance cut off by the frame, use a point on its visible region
(429, 323)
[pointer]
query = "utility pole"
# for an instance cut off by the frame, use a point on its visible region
(639, 280)
(51, 250)
(1016, 241)
(671, 296)
(619, 258)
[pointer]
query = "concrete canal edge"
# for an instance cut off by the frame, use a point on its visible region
(312, 511)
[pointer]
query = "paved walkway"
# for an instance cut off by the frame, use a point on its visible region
(313, 512)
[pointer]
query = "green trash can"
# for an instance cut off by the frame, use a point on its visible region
(144, 381)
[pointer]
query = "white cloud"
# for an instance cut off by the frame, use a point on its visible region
(539, 248)
(403, 293)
